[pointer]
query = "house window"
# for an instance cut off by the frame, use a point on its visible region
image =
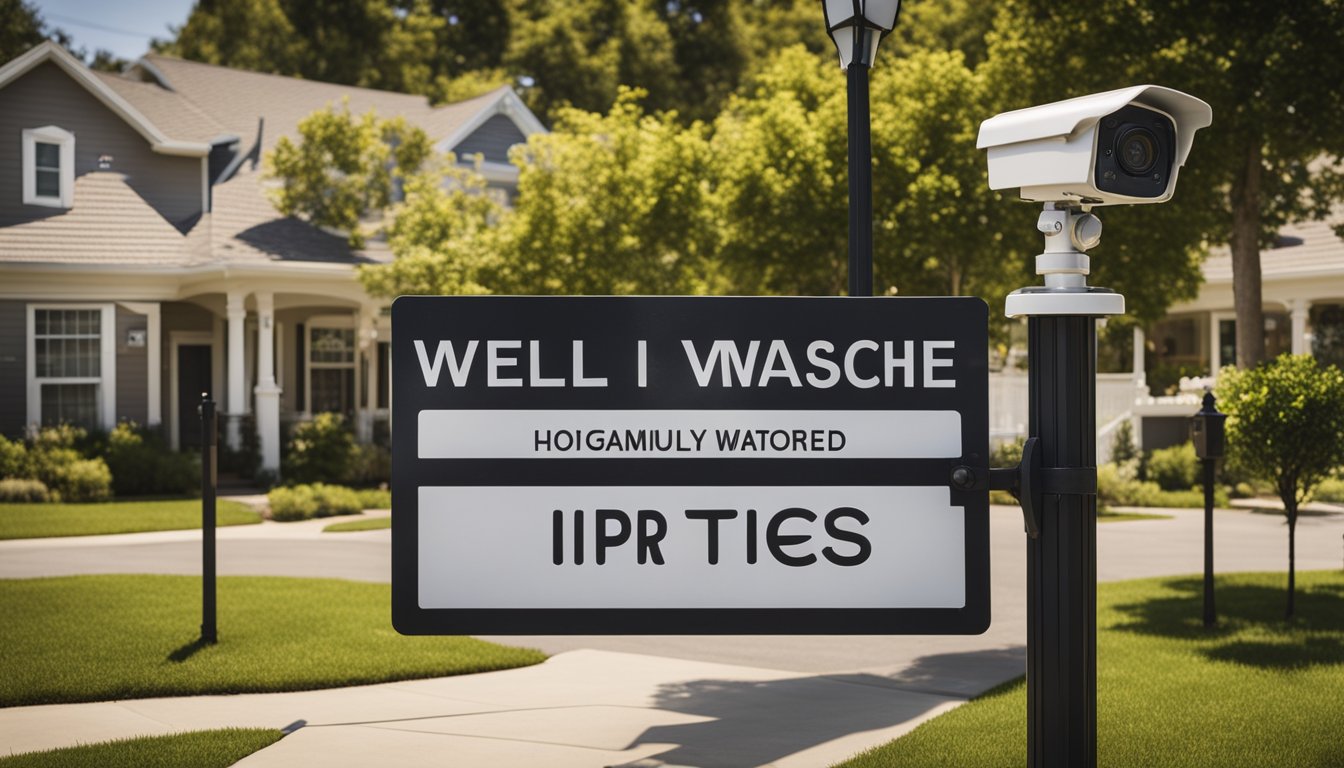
(67, 365)
(48, 167)
(331, 370)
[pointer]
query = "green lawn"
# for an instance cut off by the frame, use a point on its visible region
(31, 521)
(368, 524)
(198, 749)
(95, 638)
(1255, 692)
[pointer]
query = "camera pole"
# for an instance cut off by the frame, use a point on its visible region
(1061, 505)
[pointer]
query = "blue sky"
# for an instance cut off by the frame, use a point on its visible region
(124, 27)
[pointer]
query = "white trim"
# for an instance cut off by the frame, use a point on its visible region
(205, 184)
(65, 140)
(178, 339)
(1216, 361)
(504, 102)
(106, 380)
(153, 354)
(49, 51)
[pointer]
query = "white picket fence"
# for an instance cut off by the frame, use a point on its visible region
(1116, 395)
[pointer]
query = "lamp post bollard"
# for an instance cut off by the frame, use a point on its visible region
(209, 449)
(1208, 433)
(856, 27)
(860, 178)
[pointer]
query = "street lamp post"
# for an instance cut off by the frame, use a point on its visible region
(857, 27)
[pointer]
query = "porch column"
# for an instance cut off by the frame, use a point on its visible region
(266, 391)
(367, 346)
(236, 402)
(1301, 310)
(1140, 343)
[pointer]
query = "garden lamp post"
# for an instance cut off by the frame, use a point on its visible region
(1208, 431)
(857, 26)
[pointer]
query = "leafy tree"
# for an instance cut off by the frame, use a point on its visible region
(710, 50)
(344, 167)
(445, 237)
(1272, 154)
(579, 53)
(613, 204)
(247, 34)
(22, 27)
(782, 149)
(1285, 425)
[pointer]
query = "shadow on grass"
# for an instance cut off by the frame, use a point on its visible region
(187, 651)
(1278, 644)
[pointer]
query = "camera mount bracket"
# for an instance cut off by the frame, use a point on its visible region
(1070, 231)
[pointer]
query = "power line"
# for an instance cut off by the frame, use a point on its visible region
(102, 27)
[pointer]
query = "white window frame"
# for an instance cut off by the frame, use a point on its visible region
(106, 379)
(323, 322)
(49, 134)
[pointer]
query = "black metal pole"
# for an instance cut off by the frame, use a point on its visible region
(1210, 615)
(209, 447)
(1062, 560)
(860, 175)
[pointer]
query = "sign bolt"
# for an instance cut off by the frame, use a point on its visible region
(963, 477)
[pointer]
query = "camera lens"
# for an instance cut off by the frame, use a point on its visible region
(1137, 151)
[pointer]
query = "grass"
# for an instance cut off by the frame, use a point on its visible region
(367, 524)
(96, 638)
(31, 521)
(1105, 516)
(199, 749)
(1253, 692)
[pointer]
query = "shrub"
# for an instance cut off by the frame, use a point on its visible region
(374, 498)
(321, 450)
(1175, 468)
(1006, 454)
(289, 504)
(13, 458)
(245, 460)
(143, 464)
(1119, 486)
(84, 480)
(1122, 443)
(18, 490)
(301, 502)
(1330, 490)
(371, 465)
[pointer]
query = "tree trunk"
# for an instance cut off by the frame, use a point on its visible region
(1245, 243)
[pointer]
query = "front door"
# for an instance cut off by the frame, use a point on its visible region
(193, 378)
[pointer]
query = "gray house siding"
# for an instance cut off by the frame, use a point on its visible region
(132, 369)
(13, 368)
(492, 140)
(47, 96)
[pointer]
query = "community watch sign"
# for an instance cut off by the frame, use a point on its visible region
(688, 465)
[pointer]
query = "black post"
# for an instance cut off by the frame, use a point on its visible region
(209, 440)
(860, 173)
(1210, 615)
(1062, 560)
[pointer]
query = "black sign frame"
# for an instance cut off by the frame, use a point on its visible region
(964, 319)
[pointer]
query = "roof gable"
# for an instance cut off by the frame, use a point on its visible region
(75, 69)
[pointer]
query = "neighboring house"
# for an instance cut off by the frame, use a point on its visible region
(141, 262)
(1180, 355)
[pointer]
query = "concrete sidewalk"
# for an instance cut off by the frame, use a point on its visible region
(581, 709)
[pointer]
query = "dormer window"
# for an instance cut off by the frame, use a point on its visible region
(48, 167)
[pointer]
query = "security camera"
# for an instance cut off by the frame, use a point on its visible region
(1123, 146)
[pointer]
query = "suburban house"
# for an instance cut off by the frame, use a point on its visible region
(142, 263)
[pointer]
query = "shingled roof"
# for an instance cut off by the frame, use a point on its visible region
(175, 102)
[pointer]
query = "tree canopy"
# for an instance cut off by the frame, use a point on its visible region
(1270, 157)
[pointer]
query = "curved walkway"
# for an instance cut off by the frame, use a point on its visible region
(638, 701)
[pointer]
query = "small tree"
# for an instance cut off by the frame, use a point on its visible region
(1285, 425)
(343, 168)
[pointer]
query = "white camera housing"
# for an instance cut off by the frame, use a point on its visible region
(1122, 146)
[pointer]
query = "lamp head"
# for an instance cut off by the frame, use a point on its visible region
(866, 20)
